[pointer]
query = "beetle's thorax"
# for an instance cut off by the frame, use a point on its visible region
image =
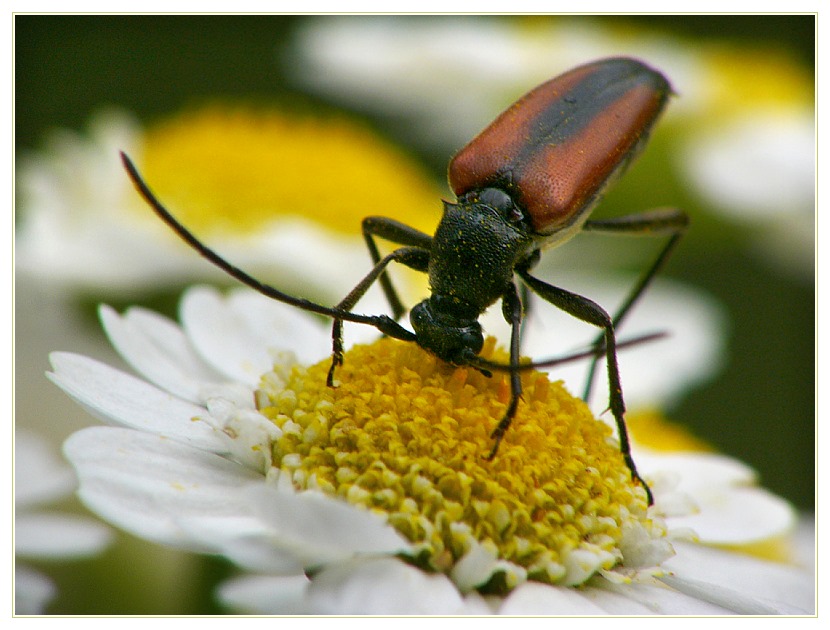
(477, 245)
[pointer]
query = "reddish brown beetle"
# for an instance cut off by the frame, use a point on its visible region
(527, 182)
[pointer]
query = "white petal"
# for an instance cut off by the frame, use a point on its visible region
(534, 598)
(76, 227)
(32, 591)
(697, 470)
(412, 70)
(615, 603)
(265, 594)
(252, 545)
(726, 507)
(147, 484)
(222, 338)
(157, 349)
(119, 398)
(760, 166)
(805, 542)
(740, 582)
(581, 564)
(641, 549)
(248, 436)
(738, 601)
(736, 516)
(322, 528)
(237, 335)
(385, 586)
(52, 535)
(302, 259)
(39, 475)
(479, 564)
(282, 326)
(476, 604)
(264, 554)
(656, 599)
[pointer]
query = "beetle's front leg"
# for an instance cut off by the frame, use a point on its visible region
(398, 233)
(413, 257)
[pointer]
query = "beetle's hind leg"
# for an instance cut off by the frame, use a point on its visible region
(659, 222)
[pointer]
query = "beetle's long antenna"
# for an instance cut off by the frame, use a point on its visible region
(483, 364)
(383, 323)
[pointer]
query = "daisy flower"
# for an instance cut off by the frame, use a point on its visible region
(41, 534)
(252, 181)
(375, 497)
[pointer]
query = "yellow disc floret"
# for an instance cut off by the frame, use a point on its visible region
(405, 434)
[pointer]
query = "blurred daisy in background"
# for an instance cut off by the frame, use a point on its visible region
(252, 182)
(42, 534)
(373, 498)
(755, 165)
(443, 79)
(745, 148)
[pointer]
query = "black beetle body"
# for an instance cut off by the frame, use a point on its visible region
(476, 247)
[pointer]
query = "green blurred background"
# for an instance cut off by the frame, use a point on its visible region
(761, 408)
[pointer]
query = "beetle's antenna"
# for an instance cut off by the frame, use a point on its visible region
(483, 364)
(383, 323)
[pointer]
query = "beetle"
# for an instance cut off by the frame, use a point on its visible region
(527, 182)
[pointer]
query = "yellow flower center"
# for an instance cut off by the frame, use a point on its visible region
(406, 434)
(232, 170)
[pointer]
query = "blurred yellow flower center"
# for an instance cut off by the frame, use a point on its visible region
(234, 170)
(406, 434)
(649, 428)
(733, 85)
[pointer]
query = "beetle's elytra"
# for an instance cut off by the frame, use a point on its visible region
(557, 146)
(528, 181)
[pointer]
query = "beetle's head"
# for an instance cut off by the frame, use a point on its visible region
(447, 329)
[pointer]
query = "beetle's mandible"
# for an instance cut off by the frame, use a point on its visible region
(528, 181)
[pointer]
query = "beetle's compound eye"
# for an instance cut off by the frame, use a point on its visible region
(471, 337)
(502, 203)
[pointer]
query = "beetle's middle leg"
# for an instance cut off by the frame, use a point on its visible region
(511, 306)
